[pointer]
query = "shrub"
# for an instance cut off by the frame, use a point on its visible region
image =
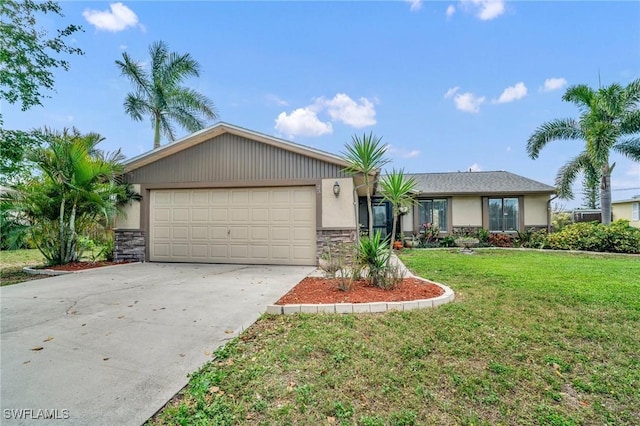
(530, 238)
(500, 240)
(619, 237)
(374, 255)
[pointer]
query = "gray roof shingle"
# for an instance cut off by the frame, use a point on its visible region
(498, 182)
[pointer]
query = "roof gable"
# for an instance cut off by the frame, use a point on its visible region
(222, 128)
(495, 182)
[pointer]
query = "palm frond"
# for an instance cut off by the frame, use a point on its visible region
(559, 129)
(365, 154)
(629, 147)
(568, 173)
(581, 95)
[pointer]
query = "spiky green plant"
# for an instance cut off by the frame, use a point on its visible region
(400, 191)
(365, 156)
(373, 253)
(609, 122)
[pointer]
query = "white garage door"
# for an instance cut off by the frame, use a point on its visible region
(245, 225)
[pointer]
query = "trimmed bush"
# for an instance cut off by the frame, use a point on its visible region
(500, 240)
(619, 237)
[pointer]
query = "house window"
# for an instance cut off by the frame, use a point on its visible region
(635, 211)
(433, 212)
(503, 214)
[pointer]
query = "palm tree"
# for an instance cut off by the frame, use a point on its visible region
(365, 156)
(76, 189)
(609, 122)
(400, 191)
(159, 95)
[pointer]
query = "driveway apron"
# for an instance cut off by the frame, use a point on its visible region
(112, 345)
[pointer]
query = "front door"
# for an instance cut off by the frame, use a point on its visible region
(382, 218)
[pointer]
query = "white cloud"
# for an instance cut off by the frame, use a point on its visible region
(484, 9)
(302, 122)
(512, 93)
(468, 102)
(475, 167)
(401, 152)
(508, 149)
(633, 171)
(415, 4)
(118, 18)
(354, 114)
(452, 91)
(450, 11)
(554, 83)
(275, 100)
(123, 47)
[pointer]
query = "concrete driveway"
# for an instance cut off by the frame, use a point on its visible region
(117, 343)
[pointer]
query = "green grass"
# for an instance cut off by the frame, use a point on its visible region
(12, 262)
(533, 338)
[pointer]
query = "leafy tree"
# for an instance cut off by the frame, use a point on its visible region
(77, 187)
(609, 122)
(28, 59)
(27, 56)
(365, 156)
(159, 95)
(400, 191)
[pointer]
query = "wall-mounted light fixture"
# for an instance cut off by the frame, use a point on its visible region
(336, 189)
(403, 209)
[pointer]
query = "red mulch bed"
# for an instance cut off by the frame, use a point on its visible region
(315, 290)
(81, 266)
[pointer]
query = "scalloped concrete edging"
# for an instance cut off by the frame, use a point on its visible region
(370, 307)
(53, 272)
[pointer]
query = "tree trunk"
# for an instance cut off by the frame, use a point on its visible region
(605, 195)
(156, 135)
(369, 207)
(393, 229)
(61, 254)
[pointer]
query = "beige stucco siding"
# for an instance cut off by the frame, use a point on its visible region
(338, 212)
(466, 211)
(624, 211)
(535, 210)
(130, 218)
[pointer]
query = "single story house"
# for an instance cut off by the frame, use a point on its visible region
(498, 201)
(627, 209)
(227, 194)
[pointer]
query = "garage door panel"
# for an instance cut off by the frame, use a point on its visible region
(182, 198)
(239, 214)
(200, 233)
(180, 233)
(247, 225)
(219, 215)
(180, 215)
(259, 233)
(200, 251)
(200, 214)
(200, 198)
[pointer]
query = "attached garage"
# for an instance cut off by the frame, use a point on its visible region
(231, 195)
(241, 225)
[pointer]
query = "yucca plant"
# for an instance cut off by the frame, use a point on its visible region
(374, 254)
(400, 191)
(365, 156)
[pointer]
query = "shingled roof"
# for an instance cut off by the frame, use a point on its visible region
(467, 183)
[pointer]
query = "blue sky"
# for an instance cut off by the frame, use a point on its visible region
(448, 85)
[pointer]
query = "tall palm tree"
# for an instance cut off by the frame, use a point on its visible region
(609, 122)
(365, 156)
(400, 191)
(159, 94)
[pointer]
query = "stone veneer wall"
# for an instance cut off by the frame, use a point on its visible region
(129, 245)
(331, 238)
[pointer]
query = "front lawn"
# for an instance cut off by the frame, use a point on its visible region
(533, 338)
(12, 262)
